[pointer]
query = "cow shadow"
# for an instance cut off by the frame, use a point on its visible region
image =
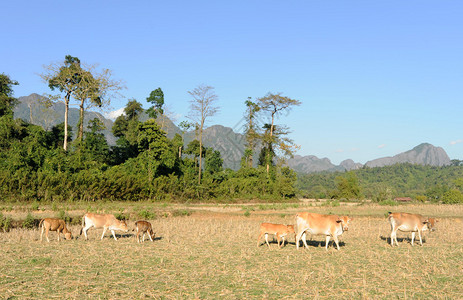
(320, 243)
(403, 239)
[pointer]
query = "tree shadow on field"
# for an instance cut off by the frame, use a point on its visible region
(403, 239)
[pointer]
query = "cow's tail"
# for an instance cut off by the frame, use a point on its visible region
(40, 224)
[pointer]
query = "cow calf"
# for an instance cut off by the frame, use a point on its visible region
(144, 227)
(53, 224)
(280, 230)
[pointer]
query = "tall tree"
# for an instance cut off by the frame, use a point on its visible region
(202, 107)
(251, 130)
(274, 105)
(65, 78)
(184, 127)
(7, 101)
(156, 98)
(125, 128)
(95, 88)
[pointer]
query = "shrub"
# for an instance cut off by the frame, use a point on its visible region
(29, 222)
(247, 213)
(388, 202)
(181, 213)
(452, 197)
(421, 198)
(147, 215)
(35, 205)
(62, 215)
(120, 217)
(5, 223)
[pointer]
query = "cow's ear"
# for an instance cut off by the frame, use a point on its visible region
(338, 221)
(437, 220)
(426, 221)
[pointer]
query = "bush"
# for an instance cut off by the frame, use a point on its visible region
(452, 197)
(29, 222)
(388, 203)
(421, 198)
(5, 223)
(147, 215)
(35, 205)
(62, 215)
(120, 217)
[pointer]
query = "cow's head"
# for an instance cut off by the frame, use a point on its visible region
(68, 235)
(431, 223)
(123, 226)
(344, 220)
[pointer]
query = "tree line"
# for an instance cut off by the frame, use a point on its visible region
(53, 165)
(384, 184)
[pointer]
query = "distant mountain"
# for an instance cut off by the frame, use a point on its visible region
(423, 154)
(311, 163)
(31, 110)
(230, 144)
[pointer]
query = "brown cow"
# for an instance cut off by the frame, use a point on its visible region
(105, 221)
(53, 224)
(317, 224)
(280, 230)
(144, 227)
(410, 223)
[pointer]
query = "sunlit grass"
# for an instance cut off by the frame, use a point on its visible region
(213, 254)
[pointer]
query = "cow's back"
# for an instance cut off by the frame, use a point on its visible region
(317, 223)
(100, 220)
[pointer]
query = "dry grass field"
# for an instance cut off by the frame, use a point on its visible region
(212, 254)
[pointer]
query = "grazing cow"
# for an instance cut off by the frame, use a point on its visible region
(410, 223)
(57, 225)
(105, 221)
(144, 227)
(317, 224)
(280, 230)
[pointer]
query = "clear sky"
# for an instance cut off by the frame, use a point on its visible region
(375, 78)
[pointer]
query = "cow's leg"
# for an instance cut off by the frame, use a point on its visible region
(266, 239)
(41, 235)
(85, 229)
(114, 234)
(138, 236)
(304, 239)
(46, 233)
(419, 234)
(327, 242)
(283, 240)
(150, 233)
(278, 240)
(104, 231)
(143, 237)
(413, 237)
(258, 239)
(335, 238)
(57, 231)
(298, 238)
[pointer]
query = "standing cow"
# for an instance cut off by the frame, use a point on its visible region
(105, 221)
(280, 230)
(409, 223)
(53, 224)
(144, 227)
(318, 224)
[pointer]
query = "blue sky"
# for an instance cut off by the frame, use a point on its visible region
(375, 78)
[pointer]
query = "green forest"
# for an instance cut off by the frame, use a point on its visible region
(62, 165)
(384, 184)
